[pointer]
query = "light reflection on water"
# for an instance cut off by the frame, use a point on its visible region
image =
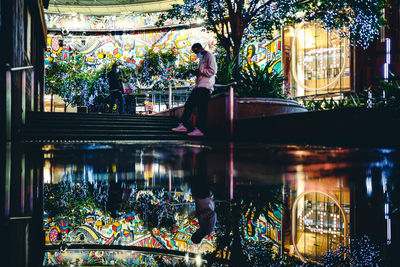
(298, 202)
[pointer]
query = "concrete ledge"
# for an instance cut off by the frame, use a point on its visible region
(218, 111)
(244, 108)
(286, 102)
(173, 112)
(263, 107)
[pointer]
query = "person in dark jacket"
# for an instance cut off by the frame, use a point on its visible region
(115, 88)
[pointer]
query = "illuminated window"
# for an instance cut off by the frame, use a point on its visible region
(319, 223)
(316, 62)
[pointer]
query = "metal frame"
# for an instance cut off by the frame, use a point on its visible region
(9, 70)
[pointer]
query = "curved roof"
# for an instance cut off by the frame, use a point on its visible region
(108, 7)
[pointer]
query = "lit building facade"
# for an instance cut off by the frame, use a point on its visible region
(315, 62)
(318, 216)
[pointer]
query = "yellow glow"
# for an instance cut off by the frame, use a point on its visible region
(305, 38)
(187, 257)
(46, 172)
(294, 209)
(198, 259)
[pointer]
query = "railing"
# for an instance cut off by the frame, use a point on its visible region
(9, 70)
(172, 84)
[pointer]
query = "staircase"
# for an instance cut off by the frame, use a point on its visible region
(91, 126)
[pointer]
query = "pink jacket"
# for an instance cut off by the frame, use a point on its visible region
(207, 71)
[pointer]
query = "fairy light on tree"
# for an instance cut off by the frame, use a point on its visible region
(233, 21)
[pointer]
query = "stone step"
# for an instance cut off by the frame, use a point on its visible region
(87, 127)
(104, 137)
(32, 115)
(83, 126)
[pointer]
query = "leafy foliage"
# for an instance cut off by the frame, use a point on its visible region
(155, 208)
(249, 204)
(73, 200)
(358, 20)
(227, 71)
(261, 253)
(384, 95)
(253, 80)
(79, 86)
(74, 85)
(157, 69)
(328, 104)
(55, 75)
(360, 252)
(256, 81)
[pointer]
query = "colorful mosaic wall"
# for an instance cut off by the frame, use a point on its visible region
(85, 22)
(265, 51)
(127, 229)
(112, 258)
(128, 48)
(265, 230)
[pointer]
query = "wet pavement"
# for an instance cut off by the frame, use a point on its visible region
(161, 203)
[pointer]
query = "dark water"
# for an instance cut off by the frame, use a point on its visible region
(155, 204)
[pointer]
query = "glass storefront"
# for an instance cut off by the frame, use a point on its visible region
(320, 217)
(320, 224)
(316, 62)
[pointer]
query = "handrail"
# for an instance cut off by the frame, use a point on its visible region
(8, 94)
(231, 105)
(182, 81)
(225, 85)
(139, 85)
(19, 68)
(77, 246)
(21, 218)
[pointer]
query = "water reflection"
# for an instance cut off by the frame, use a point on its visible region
(203, 199)
(240, 204)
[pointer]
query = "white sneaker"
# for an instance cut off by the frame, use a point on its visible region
(181, 128)
(196, 132)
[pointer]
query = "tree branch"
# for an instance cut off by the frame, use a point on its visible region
(259, 10)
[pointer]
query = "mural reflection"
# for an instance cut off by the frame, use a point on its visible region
(175, 203)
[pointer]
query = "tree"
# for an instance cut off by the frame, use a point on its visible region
(157, 68)
(239, 217)
(233, 21)
(74, 84)
(55, 78)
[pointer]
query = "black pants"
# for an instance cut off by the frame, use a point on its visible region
(117, 95)
(199, 98)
